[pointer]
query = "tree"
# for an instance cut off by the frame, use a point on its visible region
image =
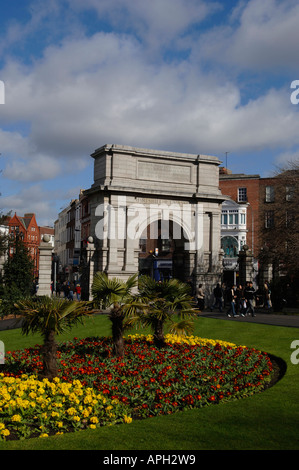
(19, 268)
(117, 296)
(50, 316)
(164, 300)
(280, 222)
(18, 275)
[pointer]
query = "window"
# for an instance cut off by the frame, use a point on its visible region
(230, 247)
(290, 190)
(224, 219)
(269, 219)
(233, 217)
(242, 195)
(269, 196)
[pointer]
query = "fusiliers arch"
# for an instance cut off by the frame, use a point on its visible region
(136, 189)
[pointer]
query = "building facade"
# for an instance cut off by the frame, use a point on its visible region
(26, 228)
(156, 213)
(233, 238)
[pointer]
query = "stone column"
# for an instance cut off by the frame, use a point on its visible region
(245, 265)
(90, 250)
(45, 265)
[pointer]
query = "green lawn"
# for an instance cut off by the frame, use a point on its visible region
(269, 420)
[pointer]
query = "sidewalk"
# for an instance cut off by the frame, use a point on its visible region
(260, 317)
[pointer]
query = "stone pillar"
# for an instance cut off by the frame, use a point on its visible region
(245, 265)
(45, 266)
(90, 250)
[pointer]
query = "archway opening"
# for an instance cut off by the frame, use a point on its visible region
(162, 252)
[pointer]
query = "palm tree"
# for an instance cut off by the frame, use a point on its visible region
(164, 300)
(50, 317)
(118, 297)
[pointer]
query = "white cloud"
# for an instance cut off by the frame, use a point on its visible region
(85, 91)
(100, 89)
(38, 168)
(263, 36)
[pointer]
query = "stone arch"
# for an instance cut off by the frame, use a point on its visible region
(164, 248)
(127, 176)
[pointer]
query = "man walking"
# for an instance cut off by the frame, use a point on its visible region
(249, 294)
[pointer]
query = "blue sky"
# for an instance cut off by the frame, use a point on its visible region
(191, 76)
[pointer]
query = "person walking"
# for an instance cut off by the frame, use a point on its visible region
(200, 298)
(78, 291)
(231, 298)
(239, 306)
(249, 294)
(218, 296)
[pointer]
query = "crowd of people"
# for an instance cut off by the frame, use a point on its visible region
(69, 290)
(236, 300)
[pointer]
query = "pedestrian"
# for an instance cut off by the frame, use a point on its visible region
(231, 297)
(218, 297)
(66, 290)
(58, 289)
(239, 306)
(249, 294)
(78, 291)
(200, 298)
(267, 296)
(71, 291)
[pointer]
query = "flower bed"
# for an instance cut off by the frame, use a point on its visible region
(94, 388)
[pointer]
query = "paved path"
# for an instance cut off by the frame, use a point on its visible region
(260, 317)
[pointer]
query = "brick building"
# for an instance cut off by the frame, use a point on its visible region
(27, 229)
(244, 189)
(264, 198)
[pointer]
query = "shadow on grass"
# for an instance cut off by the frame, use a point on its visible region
(279, 368)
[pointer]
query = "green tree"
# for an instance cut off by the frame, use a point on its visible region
(17, 277)
(168, 304)
(18, 269)
(118, 297)
(50, 317)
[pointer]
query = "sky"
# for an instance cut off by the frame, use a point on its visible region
(191, 76)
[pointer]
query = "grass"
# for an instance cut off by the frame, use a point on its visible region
(265, 421)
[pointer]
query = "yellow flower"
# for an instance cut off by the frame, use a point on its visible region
(94, 420)
(127, 419)
(92, 426)
(16, 418)
(85, 413)
(44, 435)
(5, 432)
